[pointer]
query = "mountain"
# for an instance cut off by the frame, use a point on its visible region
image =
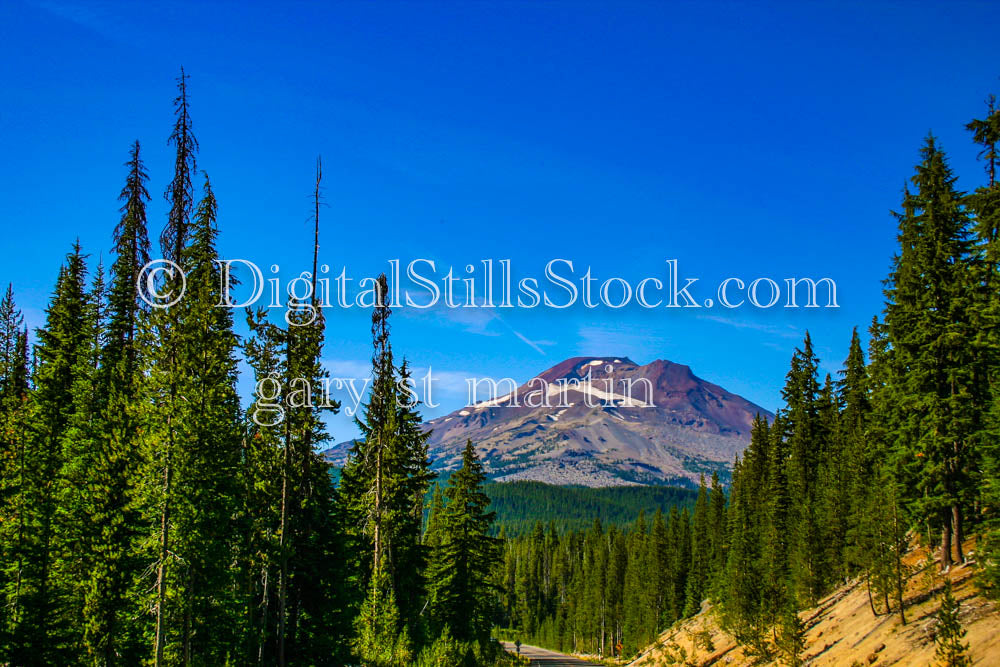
(598, 421)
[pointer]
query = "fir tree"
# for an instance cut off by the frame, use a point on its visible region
(109, 473)
(951, 651)
(717, 530)
(803, 431)
(985, 206)
(386, 477)
(14, 395)
(77, 528)
(37, 635)
(701, 554)
(191, 461)
(790, 639)
(928, 318)
(461, 591)
(180, 192)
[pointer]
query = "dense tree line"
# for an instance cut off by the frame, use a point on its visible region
(609, 591)
(147, 518)
(901, 446)
(520, 505)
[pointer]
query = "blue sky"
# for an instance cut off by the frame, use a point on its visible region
(742, 139)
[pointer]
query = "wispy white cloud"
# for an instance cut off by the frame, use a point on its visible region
(96, 17)
(536, 345)
(481, 321)
(787, 331)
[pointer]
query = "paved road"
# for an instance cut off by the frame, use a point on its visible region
(545, 657)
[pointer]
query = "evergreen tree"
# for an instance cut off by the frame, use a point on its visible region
(114, 473)
(635, 627)
(263, 475)
(659, 570)
(180, 192)
(802, 429)
(386, 478)
(14, 406)
(775, 526)
(461, 591)
(435, 518)
(929, 322)
(160, 418)
(854, 394)
(76, 531)
(790, 639)
(701, 553)
(309, 535)
(749, 579)
(717, 531)
(951, 650)
(37, 633)
(192, 454)
(381, 638)
(984, 204)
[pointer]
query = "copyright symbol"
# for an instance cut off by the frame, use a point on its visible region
(149, 283)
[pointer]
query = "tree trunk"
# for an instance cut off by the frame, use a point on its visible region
(263, 616)
(946, 545)
(161, 572)
(378, 504)
(956, 523)
(282, 548)
(868, 585)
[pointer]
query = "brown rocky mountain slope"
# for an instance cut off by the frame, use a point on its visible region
(597, 421)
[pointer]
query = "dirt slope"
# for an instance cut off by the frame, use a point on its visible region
(842, 631)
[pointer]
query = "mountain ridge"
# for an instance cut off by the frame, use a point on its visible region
(598, 421)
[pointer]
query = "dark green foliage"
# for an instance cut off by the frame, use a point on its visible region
(15, 407)
(381, 638)
(519, 505)
(383, 486)
(38, 619)
(984, 204)
(111, 471)
(930, 300)
(461, 591)
(180, 192)
(591, 591)
(291, 598)
(191, 458)
(701, 554)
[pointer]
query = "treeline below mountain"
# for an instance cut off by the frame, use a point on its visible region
(608, 590)
(519, 506)
(146, 518)
(903, 445)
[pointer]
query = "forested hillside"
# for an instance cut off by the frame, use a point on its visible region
(520, 505)
(589, 591)
(902, 445)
